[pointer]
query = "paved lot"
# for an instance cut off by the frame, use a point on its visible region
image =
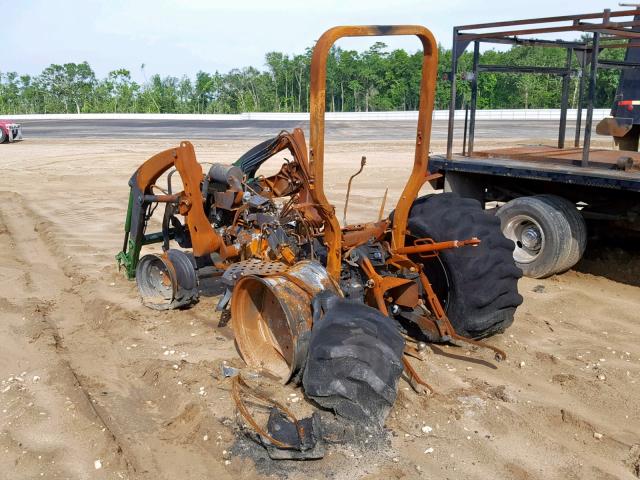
(252, 129)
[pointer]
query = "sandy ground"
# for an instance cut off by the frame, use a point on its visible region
(93, 385)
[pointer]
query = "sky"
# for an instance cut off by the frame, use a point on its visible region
(173, 37)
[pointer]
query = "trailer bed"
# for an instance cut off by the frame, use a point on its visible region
(546, 164)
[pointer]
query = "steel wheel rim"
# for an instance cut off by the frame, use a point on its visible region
(156, 282)
(528, 237)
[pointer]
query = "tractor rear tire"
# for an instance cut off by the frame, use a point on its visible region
(354, 362)
(478, 286)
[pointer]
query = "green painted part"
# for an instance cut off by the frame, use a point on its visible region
(129, 259)
(127, 222)
(152, 238)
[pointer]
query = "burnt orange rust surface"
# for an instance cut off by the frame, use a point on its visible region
(541, 153)
(437, 246)
(303, 181)
(149, 172)
(294, 177)
(355, 235)
(317, 108)
(203, 237)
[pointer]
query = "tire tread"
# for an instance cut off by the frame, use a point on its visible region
(483, 291)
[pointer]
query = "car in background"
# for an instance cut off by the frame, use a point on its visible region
(10, 131)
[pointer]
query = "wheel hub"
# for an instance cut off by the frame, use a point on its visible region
(528, 237)
(531, 238)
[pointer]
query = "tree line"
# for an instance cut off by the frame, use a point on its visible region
(372, 80)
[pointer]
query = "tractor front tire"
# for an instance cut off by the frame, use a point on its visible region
(354, 362)
(478, 286)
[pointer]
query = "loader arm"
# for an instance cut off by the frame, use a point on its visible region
(204, 238)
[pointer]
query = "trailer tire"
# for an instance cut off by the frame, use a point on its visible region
(478, 286)
(541, 232)
(578, 230)
(3, 136)
(354, 361)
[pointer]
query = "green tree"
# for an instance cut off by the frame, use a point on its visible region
(375, 79)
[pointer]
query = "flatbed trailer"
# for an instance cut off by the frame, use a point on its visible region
(511, 172)
(545, 194)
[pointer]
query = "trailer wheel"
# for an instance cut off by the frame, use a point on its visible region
(578, 240)
(478, 286)
(541, 233)
(3, 136)
(354, 361)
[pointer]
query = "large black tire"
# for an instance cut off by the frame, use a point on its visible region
(578, 240)
(478, 286)
(541, 232)
(3, 136)
(354, 362)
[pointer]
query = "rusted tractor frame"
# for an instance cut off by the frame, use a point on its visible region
(333, 235)
(272, 286)
(141, 195)
(418, 176)
(205, 240)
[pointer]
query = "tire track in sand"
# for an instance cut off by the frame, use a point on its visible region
(37, 437)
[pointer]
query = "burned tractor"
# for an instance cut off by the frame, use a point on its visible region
(311, 301)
